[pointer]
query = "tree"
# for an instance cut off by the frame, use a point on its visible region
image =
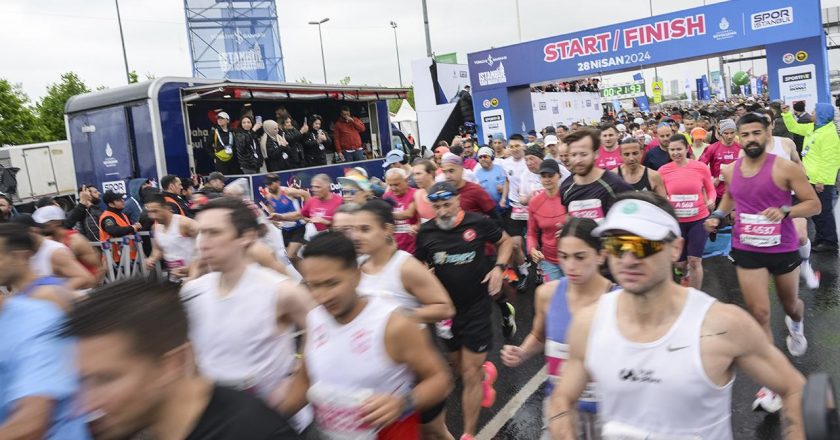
(394, 104)
(303, 80)
(18, 124)
(50, 110)
(344, 81)
(133, 77)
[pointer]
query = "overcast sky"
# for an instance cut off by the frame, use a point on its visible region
(44, 38)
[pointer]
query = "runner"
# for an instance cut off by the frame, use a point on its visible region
(656, 153)
(638, 176)
(663, 355)
(242, 316)
(173, 238)
(319, 209)
(405, 212)
(515, 220)
(785, 148)
(546, 215)
(764, 240)
(563, 155)
(396, 275)
(531, 180)
(492, 177)
(722, 152)
(453, 246)
(424, 176)
(366, 369)
(138, 372)
(590, 191)
(16, 249)
(52, 218)
(51, 258)
(343, 219)
(698, 145)
(692, 194)
(284, 206)
(609, 155)
(555, 303)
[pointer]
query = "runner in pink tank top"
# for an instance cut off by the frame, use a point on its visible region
(764, 241)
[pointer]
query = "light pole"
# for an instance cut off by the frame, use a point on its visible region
(321, 39)
(122, 41)
(397, 45)
(426, 26)
(655, 70)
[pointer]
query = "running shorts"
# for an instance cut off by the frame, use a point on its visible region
(514, 228)
(776, 264)
(695, 236)
(294, 235)
(471, 328)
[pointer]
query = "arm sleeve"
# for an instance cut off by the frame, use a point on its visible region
(337, 138)
(531, 237)
(707, 155)
(359, 125)
(76, 215)
(795, 127)
(110, 226)
(42, 365)
(493, 232)
(420, 252)
(488, 206)
(304, 210)
(708, 185)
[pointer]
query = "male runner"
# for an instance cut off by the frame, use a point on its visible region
(764, 239)
(242, 316)
(16, 248)
(609, 155)
(722, 152)
(590, 191)
(638, 176)
(453, 246)
(51, 258)
(173, 238)
(656, 156)
(367, 368)
(139, 377)
(284, 203)
(405, 210)
(663, 355)
(516, 219)
(52, 220)
(492, 177)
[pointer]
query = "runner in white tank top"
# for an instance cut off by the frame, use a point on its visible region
(41, 260)
(367, 369)
(52, 258)
(663, 356)
(242, 316)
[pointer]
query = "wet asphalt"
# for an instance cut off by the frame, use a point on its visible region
(822, 328)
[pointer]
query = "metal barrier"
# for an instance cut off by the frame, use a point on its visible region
(127, 267)
(819, 409)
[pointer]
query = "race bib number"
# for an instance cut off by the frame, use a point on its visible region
(591, 208)
(758, 231)
(556, 354)
(519, 213)
(338, 412)
(175, 264)
(402, 227)
(685, 205)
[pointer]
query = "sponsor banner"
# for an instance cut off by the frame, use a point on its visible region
(553, 108)
(799, 83)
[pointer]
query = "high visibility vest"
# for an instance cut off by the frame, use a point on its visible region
(175, 202)
(122, 220)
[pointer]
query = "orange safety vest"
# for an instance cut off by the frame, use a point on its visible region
(171, 200)
(122, 220)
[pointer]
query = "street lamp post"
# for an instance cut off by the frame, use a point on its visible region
(321, 40)
(122, 42)
(397, 45)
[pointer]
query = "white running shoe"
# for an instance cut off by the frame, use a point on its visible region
(767, 401)
(812, 279)
(796, 342)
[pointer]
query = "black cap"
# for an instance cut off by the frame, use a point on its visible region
(549, 166)
(535, 151)
(111, 196)
(442, 187)
(215, 175)
(532, 132)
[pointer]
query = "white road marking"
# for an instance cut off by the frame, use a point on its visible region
(507, 412)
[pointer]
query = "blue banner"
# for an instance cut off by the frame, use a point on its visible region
(642, 101)
(704, 93)
(692, 33)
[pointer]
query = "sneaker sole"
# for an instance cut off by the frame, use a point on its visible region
(789, 341)
(490, 376)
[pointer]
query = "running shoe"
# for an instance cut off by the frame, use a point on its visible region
(467, 437)
(490, 375)
(510, 275)
(767, 401)
(444, 328)
(812, 279)
(509, 321)
(796, 342)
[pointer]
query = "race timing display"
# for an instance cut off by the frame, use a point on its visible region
(623, 91)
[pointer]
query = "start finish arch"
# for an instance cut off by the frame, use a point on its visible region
(790, 31)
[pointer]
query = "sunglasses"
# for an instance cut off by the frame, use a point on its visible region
(640, 247)
(349, 192)
(442, 195)
(484, 155)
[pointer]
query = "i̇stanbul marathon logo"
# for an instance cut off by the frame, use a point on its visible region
(495, 76)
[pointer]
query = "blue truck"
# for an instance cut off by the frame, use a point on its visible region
(160, 127)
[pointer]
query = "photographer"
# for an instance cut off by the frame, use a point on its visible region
(86, 213)
(317, 146)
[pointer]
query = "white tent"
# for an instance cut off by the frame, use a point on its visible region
(406, 119)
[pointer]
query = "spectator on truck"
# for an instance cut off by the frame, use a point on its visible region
(347, 136)
(293, 138)
(317, 146)
(247, 150)
(222, 145)
(274, 148)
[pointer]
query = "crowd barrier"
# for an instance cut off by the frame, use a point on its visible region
(127, 267)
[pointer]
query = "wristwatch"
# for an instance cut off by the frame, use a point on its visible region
(500, 266)
(785, 210)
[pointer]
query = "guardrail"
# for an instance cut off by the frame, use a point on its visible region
(127, 267)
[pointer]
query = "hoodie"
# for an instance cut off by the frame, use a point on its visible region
(134, 204)
(821, 148)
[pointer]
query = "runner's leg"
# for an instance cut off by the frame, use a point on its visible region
(695, 268)
(436, 429)
(472, 373)
(754, 284)
(787, 288)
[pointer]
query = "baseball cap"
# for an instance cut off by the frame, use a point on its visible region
(48, 213)
(621, 127)
(449, 158)
(486, 151)
(111, 196)
(355, 180)
(442, 187)
(535, 151)
(639, 121)
(223, 115)
(698, 133)
(532, 132)
(393, 156)
(641, 218)
(549, 166)
(215, 175)
(550, 140)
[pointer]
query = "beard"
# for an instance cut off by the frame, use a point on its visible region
(95, 201)
(582, 170)
(753, 150)
(445, 223)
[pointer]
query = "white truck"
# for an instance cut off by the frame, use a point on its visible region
(29, 172)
